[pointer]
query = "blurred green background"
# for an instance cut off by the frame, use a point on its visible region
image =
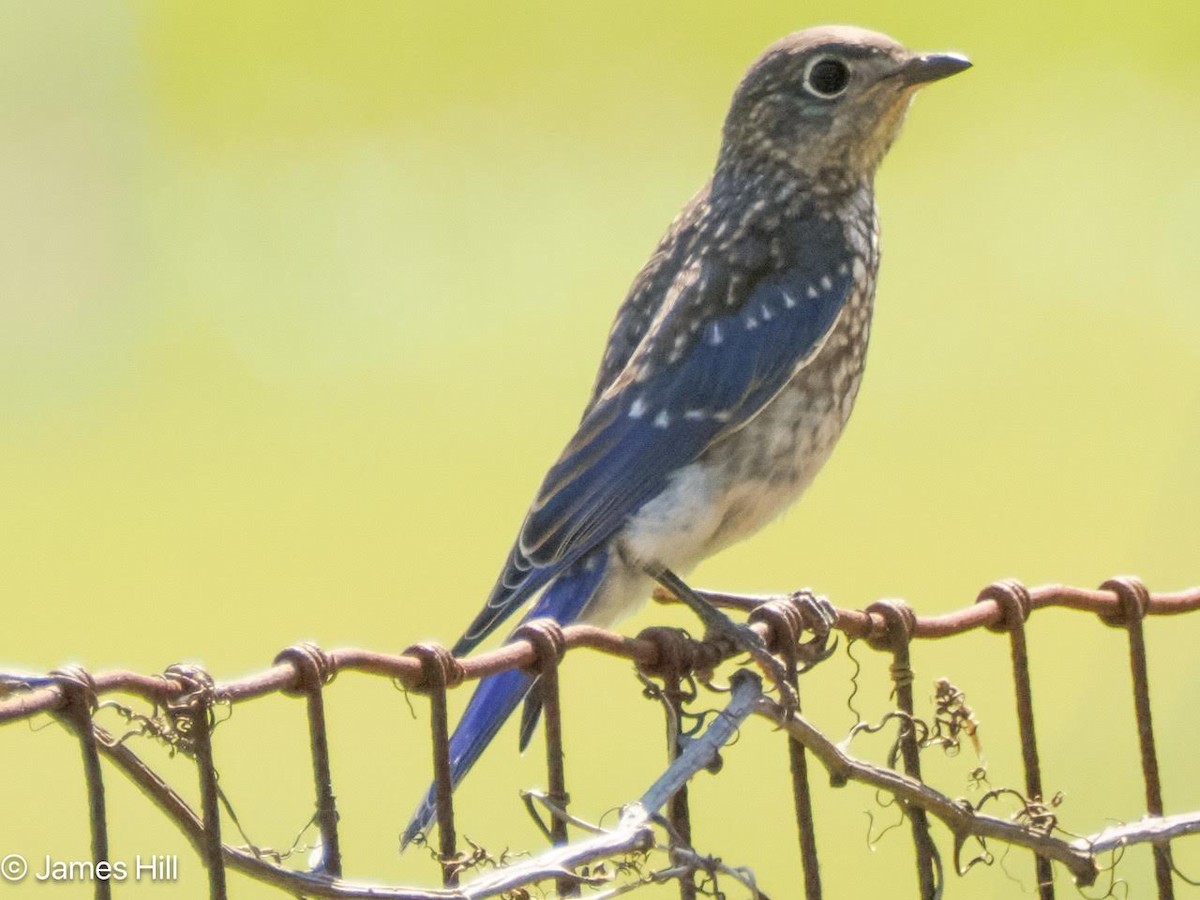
(298, 301)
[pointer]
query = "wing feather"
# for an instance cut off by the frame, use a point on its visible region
(674, 398)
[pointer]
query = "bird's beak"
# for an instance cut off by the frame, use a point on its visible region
(932, 67)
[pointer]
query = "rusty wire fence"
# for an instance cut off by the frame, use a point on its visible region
(651, 844)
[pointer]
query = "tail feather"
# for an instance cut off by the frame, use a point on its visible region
(497, 697)
(493, 702)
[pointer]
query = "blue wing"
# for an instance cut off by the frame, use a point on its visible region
(641, 432)
(705, 368)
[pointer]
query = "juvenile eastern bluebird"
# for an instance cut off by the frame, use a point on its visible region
(733, 362)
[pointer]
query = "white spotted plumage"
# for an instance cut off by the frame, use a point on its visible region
(743, 482)
(721, 430)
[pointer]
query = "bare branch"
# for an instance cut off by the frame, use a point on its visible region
(1152, 829)
(177, 810)
(635, 831)
(958, 816)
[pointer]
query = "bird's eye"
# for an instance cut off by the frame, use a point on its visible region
(827, 77)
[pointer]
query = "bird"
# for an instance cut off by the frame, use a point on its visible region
(733, 362)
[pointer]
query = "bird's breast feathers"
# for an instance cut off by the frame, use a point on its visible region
(749, 477)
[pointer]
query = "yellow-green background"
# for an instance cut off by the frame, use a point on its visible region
(298, 300)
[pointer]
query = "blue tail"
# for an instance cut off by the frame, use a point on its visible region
(496, 697)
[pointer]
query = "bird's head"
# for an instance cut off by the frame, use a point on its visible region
(828, 99)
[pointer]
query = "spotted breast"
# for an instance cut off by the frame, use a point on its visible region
(751, 475)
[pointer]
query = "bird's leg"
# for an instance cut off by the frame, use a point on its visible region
(719, 626)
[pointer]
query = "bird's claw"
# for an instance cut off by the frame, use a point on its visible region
(820, 617)
(723, 630)
(745, 638)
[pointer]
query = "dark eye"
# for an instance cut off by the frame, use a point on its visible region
(827, 77)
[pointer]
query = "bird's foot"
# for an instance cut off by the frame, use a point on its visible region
(820, 617)
(731, 635)
(746, 639)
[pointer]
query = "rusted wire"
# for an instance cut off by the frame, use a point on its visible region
(549, 646)
(859, 624)
(898, 623)
(47, 696)
(313, 668)
(1134, 602)
(440, 670)
(192, 707)
(80, 694)
(1015, 605)
(189, 695)
(786, 620)
(674, 664)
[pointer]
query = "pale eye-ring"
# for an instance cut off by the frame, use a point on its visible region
(826, 77)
